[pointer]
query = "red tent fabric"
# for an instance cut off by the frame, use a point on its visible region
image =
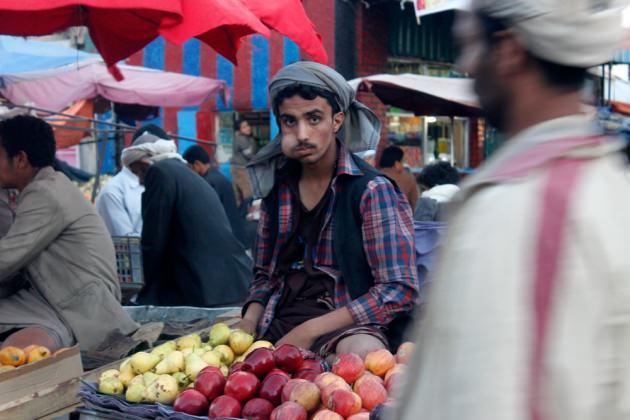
(289, 18)
(219, 23)
(118, 27)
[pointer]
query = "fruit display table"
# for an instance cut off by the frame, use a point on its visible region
(60, 383)
(225, 374)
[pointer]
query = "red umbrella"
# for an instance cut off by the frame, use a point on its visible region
(219, 23)
(118, 27)
(289, 18)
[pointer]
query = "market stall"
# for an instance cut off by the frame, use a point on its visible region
(431, 117)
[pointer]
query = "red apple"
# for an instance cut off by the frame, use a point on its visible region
(210, 369)
(344, 402)
(379, 362)
(242, 385)
(404, 353)
(257, 409)
(396, 369)
(306, 394)
(237, 367)
(326, 415)
(277, 371)
(191, 402)
(224, 406)
(349, 367)
(288, 358)
(329, 389)
(271, 388)
(289, 411)
(308, 374)
(395, 382)
(371, 391)
(327, 378)
(260, 362)
(313, 364)
(288, 387)
(210, 384)
(360, 416)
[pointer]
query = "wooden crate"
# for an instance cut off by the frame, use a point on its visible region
(37, 380)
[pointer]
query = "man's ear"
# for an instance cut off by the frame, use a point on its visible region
(509, 53)
(338, 120)
(20, 160)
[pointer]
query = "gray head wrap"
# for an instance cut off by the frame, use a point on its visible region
(359, 132)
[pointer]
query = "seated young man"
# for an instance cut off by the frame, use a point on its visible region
(58, 282)
(334, 260)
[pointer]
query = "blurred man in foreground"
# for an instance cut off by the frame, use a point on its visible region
(529, 317)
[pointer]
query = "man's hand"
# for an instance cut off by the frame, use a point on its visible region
(246, 325)
(300, 336)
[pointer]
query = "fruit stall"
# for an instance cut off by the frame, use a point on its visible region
(227, 375)
(35, 383)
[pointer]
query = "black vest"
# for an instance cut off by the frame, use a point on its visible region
(348, 238)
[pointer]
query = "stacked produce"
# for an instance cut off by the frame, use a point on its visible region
(233, 377)
(12, 357)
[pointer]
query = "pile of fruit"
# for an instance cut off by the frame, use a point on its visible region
(161, 374)
(231, 376)
(13, 357)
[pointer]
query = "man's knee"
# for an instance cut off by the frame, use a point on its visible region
(360, 344)
(31, 335)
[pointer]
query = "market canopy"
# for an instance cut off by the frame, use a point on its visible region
(53, 77)
(423, 95)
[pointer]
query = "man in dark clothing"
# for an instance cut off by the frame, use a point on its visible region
(199, 161)
(190, 258)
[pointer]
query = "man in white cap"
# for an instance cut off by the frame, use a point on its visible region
(190, 254)
(529, 315)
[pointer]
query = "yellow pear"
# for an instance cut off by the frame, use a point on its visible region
(219, 334)
(194, 364)
(138, 379)
(182, 380)
(148, 378)
(111, 386)
(240, 341)
(226, 353)
(189, 341)
(110, 373)
(258, 345)
(224, 370)
(187, 352)
(173, 362)
(199, 352)
(212, 359)
(135, 393)
(164, 390)
(164, 349)
(142, 362)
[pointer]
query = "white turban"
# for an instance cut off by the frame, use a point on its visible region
(576, 33)
(150, 152)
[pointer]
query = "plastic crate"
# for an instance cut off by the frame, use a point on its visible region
(129, 262)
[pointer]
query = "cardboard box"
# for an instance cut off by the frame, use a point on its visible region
(30, 379)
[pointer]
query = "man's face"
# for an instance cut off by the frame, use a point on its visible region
(477, 59)
(308, 128)
(199, 167)
(245, 128)
(140, 169)
(9, 169)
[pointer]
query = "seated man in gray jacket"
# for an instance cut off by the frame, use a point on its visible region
(58, 282)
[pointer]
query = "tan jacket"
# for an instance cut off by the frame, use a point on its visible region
(62, 244)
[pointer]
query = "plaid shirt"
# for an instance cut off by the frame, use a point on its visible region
(388, 242)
